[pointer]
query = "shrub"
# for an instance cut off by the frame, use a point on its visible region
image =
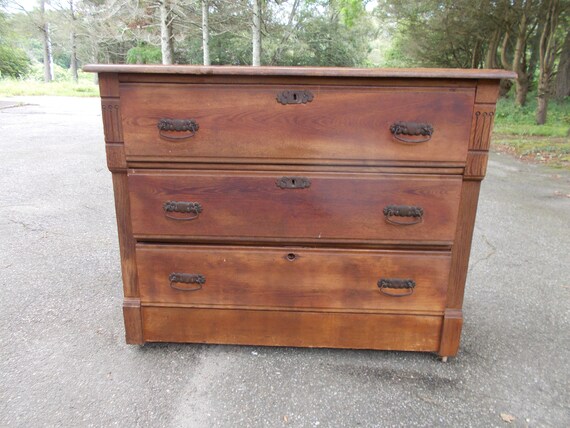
(13, 62)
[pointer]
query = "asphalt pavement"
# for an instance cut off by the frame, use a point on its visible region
(64, 362)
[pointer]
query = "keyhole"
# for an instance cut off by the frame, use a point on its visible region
(294, 97)
(293, 181)
(291, 257)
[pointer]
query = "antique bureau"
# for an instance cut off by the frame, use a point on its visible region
(319, 207)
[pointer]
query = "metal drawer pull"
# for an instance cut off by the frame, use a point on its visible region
(189, 126)
(416, 213)
(425, 130)
(195, 280)
(295, 97)
(293, 182)
(398, 284)
(193, 208)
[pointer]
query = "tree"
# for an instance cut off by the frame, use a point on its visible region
(73, 39)
(46, 38)
(206, 32)
(547, 56)
(562, 82)
(256, 32)
(166, 39)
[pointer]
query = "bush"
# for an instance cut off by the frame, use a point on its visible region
(13, 62)
(144, 54)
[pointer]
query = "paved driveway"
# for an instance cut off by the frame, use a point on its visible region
(63, 360)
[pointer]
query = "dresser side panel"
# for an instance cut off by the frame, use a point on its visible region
(117, 164)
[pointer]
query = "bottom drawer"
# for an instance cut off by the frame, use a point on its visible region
(293, 277)
(290, 328)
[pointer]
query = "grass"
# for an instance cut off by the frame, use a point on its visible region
(63, 85)
(517, 133)
(13, 87)
(510, 119)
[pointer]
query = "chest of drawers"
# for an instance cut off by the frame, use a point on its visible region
(314, 207)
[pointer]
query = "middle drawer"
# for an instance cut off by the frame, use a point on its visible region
(299, 207)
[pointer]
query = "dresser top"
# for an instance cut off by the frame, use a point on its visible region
(428, 73)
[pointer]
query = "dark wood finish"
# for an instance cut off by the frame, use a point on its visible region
(462, 247)
(451, 333)
(126, 240)
(284, 328)
(109, 85)
(289, 238)
(293, 277)
(248, 122)
(488, 90)
(112, 123)
(116, 160)
(334, 72)
(336, 206)
(482, 123)
(133, 321)
(476, 165)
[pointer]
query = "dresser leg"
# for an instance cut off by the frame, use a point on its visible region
(133, 321)
(450, 333)
(444, 359)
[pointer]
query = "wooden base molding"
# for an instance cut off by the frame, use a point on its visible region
(305, 329)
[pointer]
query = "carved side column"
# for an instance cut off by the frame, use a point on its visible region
(117, 164)
(475, 169)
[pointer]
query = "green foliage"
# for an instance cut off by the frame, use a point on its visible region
(144, 54)
(13, 62)
(350, 11)
(511, 119)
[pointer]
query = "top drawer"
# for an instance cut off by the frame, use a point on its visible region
(248, 123)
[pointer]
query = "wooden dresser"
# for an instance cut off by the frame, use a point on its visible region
(319, 207)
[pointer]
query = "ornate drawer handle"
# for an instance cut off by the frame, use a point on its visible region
(182, 207)
(190, 126)
(412, 128)
(396, 283)
(195, 280)
(416, 213)
(295, 97)
(293, 182)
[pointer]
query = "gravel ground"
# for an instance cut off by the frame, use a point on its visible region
(63, 360)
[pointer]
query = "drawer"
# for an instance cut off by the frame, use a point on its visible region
(329, 207)
(293, 277)
(246, 123)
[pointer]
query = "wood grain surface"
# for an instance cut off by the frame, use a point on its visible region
(293, 277)
(336, 72)
(340, 123)
(249, 204)
(283, 328)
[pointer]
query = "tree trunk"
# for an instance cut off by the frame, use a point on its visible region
(73, 60)
(546, 61)
(256, 30)
(542, 102)
(562, 82)
(166, 42)
(476, 55)
(48, 57)
(491, 55)
(205, 32)
(519, 58)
